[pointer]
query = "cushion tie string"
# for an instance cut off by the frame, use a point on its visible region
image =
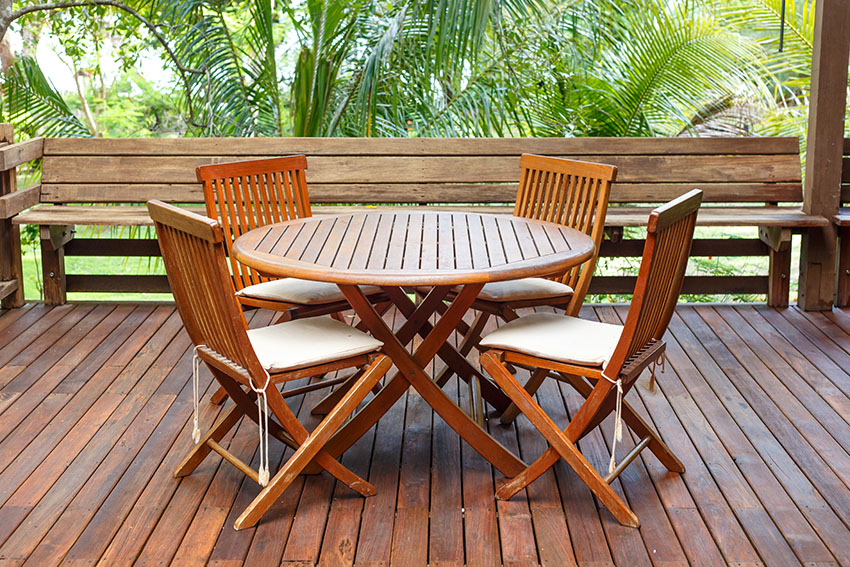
(618, 419)
(662, 361)
(196, 363)
(263, 422)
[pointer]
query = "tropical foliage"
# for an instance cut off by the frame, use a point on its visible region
(434, 67)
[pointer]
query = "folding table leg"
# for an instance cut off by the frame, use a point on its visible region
(447, 352)
(559, 442)
(412, 373)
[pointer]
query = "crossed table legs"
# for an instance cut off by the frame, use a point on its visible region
(411, 370)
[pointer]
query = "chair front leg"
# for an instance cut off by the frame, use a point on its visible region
(311, 446)
(558, 442)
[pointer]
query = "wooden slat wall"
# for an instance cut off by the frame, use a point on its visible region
(427, 171)
(416, 170)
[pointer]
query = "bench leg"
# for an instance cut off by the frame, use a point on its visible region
(842, 295)
(53, 240)
(779, 274)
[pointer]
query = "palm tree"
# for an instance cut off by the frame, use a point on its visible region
(444, 67)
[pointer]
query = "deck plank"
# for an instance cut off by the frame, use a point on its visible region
(95, 413)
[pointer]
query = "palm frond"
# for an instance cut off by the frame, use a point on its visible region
(34, 105)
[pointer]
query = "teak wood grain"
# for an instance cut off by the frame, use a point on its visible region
(389, 248)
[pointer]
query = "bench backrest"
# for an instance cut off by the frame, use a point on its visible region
(420, 170)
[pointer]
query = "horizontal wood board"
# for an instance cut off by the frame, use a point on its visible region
(425, 170)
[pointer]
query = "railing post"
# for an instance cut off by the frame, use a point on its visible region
(822, 191)
(11, 267)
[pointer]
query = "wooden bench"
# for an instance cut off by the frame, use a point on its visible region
(842, 221)
(744, 179)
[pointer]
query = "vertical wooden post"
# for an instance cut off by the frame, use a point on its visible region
(842, 293)
(779, 279)
(11, 267)
(822, 190)
(53, 240)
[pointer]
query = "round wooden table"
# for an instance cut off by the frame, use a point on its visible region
(446, 250)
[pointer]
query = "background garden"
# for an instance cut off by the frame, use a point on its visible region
(405, 68)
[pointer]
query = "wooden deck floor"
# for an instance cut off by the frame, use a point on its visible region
(95, 411)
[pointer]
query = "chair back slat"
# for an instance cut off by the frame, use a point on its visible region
(572, 193)
(245, 195)
(193, 253)
(670, 232)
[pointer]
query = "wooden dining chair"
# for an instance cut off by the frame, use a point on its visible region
(564, 191)
(246, 361)
(601, 361)
(245, 195)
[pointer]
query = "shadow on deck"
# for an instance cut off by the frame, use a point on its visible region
(95, 413)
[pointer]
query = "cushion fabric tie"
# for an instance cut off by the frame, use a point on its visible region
(196, 362)
(618, 425)
(263, 422)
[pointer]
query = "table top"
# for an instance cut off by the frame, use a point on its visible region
(412, 248)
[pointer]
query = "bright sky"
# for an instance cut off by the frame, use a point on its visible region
(62, 77)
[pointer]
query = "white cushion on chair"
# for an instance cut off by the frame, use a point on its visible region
(526, 288)
(558, 337)
(302, 292)
(307, 342)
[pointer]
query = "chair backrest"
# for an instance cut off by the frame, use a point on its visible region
(670, 231)
(572, 193)
(193, 252)
(245, 195)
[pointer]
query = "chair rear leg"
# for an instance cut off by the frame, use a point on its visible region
(199, 452)
(559, 443)
(327, 403)
(311, 446)
(534, 382)
(218, 396)
(636, 423)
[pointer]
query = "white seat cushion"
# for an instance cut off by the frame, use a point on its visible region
(526, 288)
(307, 342)
(558, 337)
(302, 292)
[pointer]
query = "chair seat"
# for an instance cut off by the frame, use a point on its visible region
(558, 337)
(308, 342)
(524, 289)
(301, 292)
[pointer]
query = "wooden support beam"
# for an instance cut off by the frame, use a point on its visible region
(13, 155)
(778, 241)
(11, 267)
(13, 203)
(842, 293)
(822, 189)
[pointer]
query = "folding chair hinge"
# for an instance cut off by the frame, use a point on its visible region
(627, 460)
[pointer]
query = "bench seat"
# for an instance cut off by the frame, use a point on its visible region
(769, 216)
